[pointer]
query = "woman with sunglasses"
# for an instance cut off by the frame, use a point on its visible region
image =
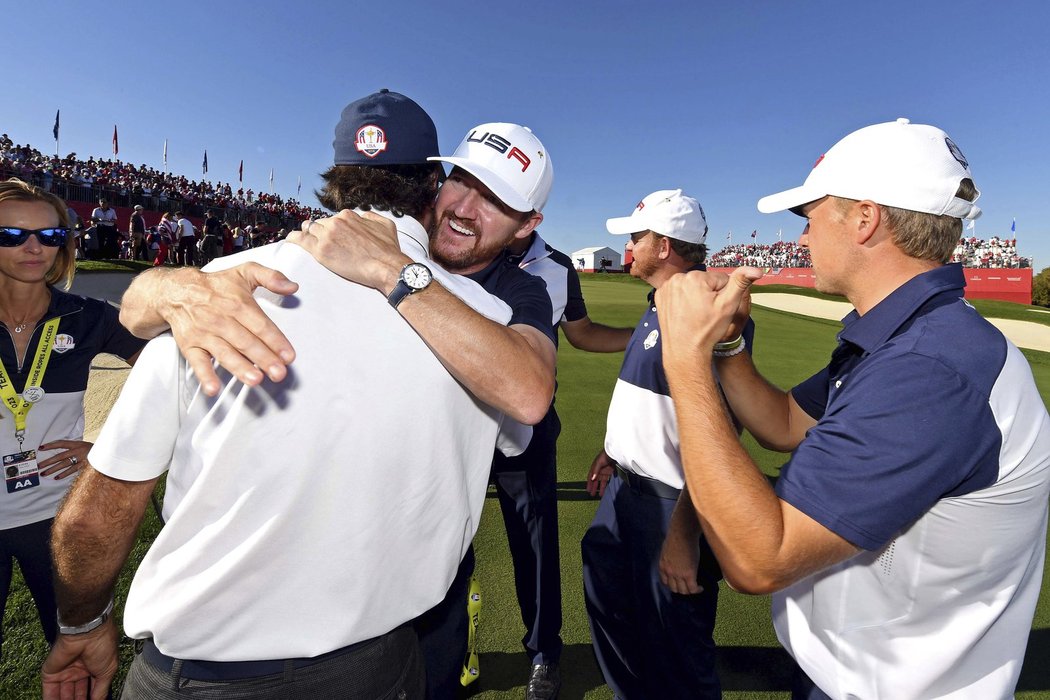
(48, 339)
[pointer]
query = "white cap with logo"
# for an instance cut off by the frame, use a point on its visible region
(897, 164)
(510, 161)
(667, 212)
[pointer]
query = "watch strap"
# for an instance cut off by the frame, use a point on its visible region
(90, 624)
(399, 292)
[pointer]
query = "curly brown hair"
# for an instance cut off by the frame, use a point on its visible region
(403, 190)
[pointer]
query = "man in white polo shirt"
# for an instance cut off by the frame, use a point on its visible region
(307, 521)
(905, 539)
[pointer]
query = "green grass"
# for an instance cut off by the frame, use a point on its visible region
(90, 266)
(790, 348)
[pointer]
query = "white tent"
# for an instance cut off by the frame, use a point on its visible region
(590, 259)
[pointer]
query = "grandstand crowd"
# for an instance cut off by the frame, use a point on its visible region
(126, 185)
(974, 252)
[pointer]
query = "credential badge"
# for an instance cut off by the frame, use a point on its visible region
(32, 394)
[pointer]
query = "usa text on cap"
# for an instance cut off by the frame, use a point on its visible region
(510, 161)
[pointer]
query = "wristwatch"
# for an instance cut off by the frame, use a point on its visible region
(414, 277)
(89, 625)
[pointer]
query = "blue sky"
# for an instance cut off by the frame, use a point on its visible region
(729, 101)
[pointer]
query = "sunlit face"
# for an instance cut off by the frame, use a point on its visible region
(471, 225)
(643, 250)
(31, 261)
(825, 235)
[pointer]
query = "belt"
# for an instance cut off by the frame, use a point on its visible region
(235, 670)
(650, 487)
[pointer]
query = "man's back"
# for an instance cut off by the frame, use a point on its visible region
(324, 492)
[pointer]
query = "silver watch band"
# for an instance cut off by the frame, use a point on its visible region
(90, 624)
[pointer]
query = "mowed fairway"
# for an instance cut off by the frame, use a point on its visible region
(789, 348)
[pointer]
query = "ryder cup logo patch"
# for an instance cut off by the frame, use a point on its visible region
(956, 153)
(371, 140)
(63, 343)
(650, 340)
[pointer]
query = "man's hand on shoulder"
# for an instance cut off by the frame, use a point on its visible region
(214, 315)
(362, 248)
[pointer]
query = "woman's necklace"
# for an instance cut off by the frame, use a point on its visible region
(26, 323)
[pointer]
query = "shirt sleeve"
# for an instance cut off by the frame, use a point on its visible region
(884, 451)
(530, 305)
(575, 306)
(117, 339)
(138, 438)
(812, 394)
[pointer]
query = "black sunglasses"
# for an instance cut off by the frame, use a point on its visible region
(11, 236)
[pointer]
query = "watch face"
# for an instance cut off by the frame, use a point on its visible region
(417, 276)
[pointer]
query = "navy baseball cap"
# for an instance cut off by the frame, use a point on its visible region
(384, 128)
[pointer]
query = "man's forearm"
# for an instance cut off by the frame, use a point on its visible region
(91, 538)
(762, 543)
(767, 411)
(738, 509)
(509, 368)
(587, 335)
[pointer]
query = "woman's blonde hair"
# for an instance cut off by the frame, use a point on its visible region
(65, 264)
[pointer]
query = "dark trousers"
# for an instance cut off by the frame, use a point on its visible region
(108, 248)
(29, 545)
(649, 642)
(187, 250)
(386, 667)
(527, 486)
(443, 633)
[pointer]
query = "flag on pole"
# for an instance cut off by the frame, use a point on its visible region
(972, 224)
(780, 234)
(240, 172)
(754, 234)
(55, 130)
(116, 146)
(271, 180)
(165, 155)
(1013, 226)
(298, 186)
(205, 164)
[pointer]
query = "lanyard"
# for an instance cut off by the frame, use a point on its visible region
(20, 405)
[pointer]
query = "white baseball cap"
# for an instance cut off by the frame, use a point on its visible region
(667, 212)
(896, 164)
(510, 161)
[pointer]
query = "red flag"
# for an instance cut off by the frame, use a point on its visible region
(116, 147)
(240, 172)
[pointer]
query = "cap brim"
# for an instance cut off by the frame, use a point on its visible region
(789, 199)
(504, 192)
(622, 225)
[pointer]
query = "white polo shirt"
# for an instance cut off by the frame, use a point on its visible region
(305, 515)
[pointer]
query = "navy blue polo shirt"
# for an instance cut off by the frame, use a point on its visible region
(903, 413)
(525, 294)
(641, 432)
